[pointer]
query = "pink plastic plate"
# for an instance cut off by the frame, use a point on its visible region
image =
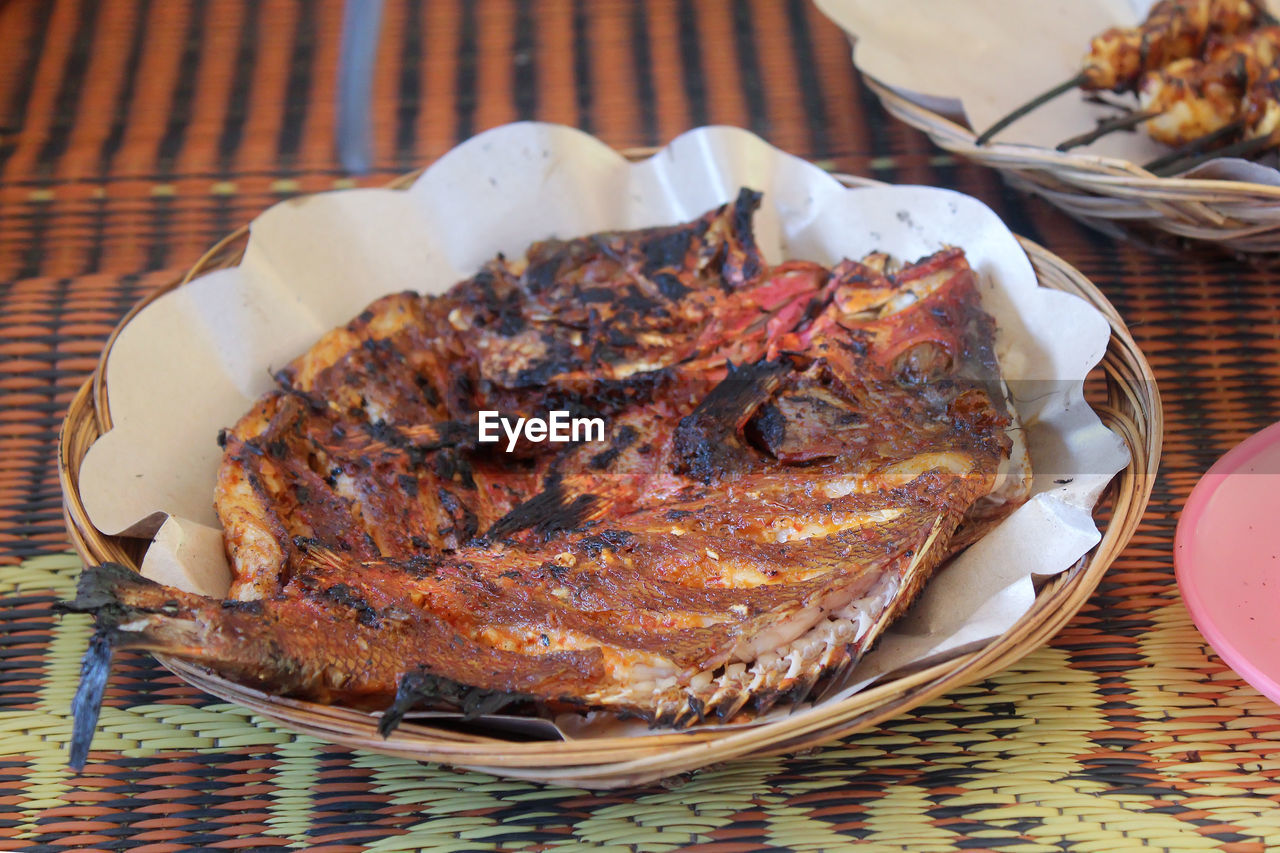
(1227, 557)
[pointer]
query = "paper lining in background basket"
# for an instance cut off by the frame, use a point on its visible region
(935, 64)
(193, 361)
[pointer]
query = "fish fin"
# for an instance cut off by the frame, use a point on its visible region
(423, 687)
(764, 700)
(730, 705)
(694, 711)
(802, 689)
(836, 674)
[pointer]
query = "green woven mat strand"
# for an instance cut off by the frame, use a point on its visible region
(925, 779)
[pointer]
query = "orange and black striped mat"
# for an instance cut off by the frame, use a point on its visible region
(134, 133)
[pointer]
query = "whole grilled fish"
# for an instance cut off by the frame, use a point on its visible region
(789, 452)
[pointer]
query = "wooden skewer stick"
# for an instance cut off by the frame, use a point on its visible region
(1037, 101)
(1243, 148)
(1195, 146)
(1105, 127)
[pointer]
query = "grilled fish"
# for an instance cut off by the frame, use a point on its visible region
(789, 452)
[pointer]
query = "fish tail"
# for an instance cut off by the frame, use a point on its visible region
(87, 703)
(131, 611)
(101, 591)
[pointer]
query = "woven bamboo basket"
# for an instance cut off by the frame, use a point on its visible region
(1115, 196)
(1131, 408)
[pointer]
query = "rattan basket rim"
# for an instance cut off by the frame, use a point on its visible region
(1132, 409)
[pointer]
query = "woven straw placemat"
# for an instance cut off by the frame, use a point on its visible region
(1151, 743)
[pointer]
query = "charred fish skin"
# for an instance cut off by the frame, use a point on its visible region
(791, 451)
(322, 649)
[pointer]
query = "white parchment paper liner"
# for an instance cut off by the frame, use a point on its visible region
(982, 58)
(194, 360)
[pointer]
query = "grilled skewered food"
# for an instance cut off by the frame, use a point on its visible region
(1255, 131)
(1174, 29)
(1193, 97)
(790, 452)
(1194, 104)
(1119, 57)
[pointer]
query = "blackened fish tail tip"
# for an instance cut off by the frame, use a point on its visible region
(100, 585)
(95, 667)
(408, 692)
(389, 721)
(97, 592)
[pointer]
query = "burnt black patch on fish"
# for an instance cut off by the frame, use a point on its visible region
(345, 596)
(550, 511)
(617, 337)
(668, 249)
(855, 341)
(284, 380)
(447, 434)
(548, 569)
(706, 440)
(380, 347)
(454, 467)
(540, 275)
(309, 544)
(511, 321)
(460, 392)
(252, 608)
(597, 295)
(560, 358)
(670, 286)
(606, 540)
(420, 565)
(643, 306)
(742, 263)
(430, 395)
(768, 429)
(802, 426)
(465, 523)
(744, 208)
(483, 282)
(623, 438)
